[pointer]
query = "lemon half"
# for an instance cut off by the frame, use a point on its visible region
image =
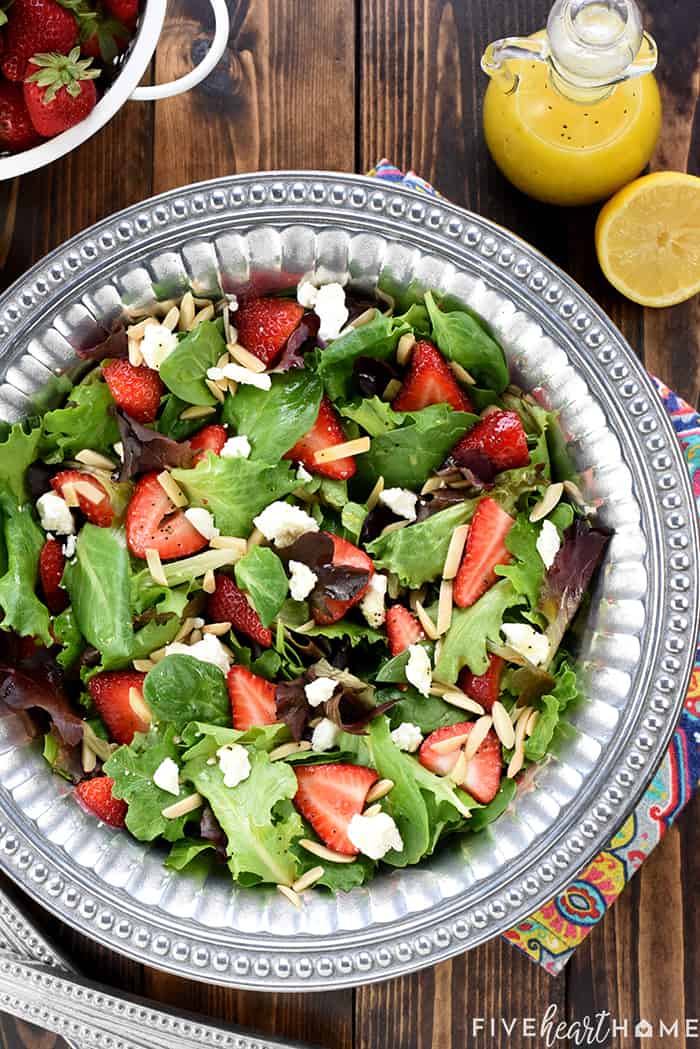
(648, 239)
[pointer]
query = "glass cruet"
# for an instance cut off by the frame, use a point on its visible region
(573, 112)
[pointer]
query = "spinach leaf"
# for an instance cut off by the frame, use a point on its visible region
(393, 671)
(464, 340)
(273, 420)
(22, 610)
(16, 454)
(235, 490)
(185, 369)
(132, 767)
(262, 574)
(181, 689)
(333, 493)
(377, 339)
(428, 712)
(417, 553)
(464, 644)
(98, 584)
(171, 425)
(485, 814)
(85, 422)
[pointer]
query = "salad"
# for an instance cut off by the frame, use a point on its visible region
(287, 582)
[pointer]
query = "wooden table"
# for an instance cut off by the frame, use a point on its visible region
(336, 84)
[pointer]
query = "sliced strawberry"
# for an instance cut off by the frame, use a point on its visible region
(483, 775)
(95, 795)
(252, 699)
(228, 604)
(110, 694)
(327, 610)
(152, 522)
(210, 439)
(326, 432)
(429, 381)
(328, 796)
(98, 512)
(484, 688)
(501, 437)
(52, 561)
(137, 390)
(485, 549)
(403, 629)
(264, 325)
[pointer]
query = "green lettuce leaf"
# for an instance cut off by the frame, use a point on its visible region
(373, 415)
(67, 634)
(235, 490)
(377, 339)
(338, 877)
(352, 519)
(132, 767)
(464, 340)
(526, 571)
(262, 575)
(259, 837)
(181, 689)
(98, 584)
(273, 420)
(203, 739)
(427, 712)
(185, 369)
(17, 452)
(416, 554)
(184, 853)
(551, 707)
(485, 814)
(22, 611)
(345, 628)
(85, 422)
(464, 644)
(333, 493)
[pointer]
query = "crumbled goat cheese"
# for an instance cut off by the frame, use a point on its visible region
(400, 501)
(119, 449)
(249, 378)
(320, 690)
(374, 835)
(167, 777)
(407, 737)
(54, 514)
(282, 523)
(325, 735)
(208, 650)
(69, 546)
(331, 310)
(548, 543)
(529, 642)
(203, 521)
(303, 474)
(234, 763)
(236, 448)
(418, 670)
(158, 343)
(232, 302)
(372, 604)
(301, 580)
(306, 294)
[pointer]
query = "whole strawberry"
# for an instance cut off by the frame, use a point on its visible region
(36, 26)
(125, 10)
(103, 38)
(16, 129)
(59, 91)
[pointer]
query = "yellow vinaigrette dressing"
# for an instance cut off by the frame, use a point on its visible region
(573, 112)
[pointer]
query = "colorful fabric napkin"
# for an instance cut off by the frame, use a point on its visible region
(552, 934)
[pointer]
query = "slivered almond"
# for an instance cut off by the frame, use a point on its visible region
(462, 374)
(155, 567)
(395, 526)
(223, 360)
(308, 879)
(137, 331)
(432, 485)
(477, 735)
(88, 491)
(518, 759)
(489, 410)
(194, 637)
(229, 542)
(207, 314)
(209, 582)
(186, 629)
(255, 539)
(157, 654)
(101, 747)
(182, 807)
(139, 706)
(532, 722)
(217, 389)
(163, 308)
(291, 895)
(134, 354)
(305, 627)
(88, 758)
(380, 790)
(415, 596)
(426, 622)
(171, 318)
(444, 616)
(457, 698)
(187, 311)
(70, 496)
(373, 810)
(386, 298)
(143, 665)
(217, 629)
(373, 497)
(516, 762)
(391, 389)
(246, 358)
(437, 652)
(503, 725)
(458, 772)
(323, 853)
(405, 348)
(393, 586)
(285, 750)
(342, 451)
(172, 489)
(454, 552)
(548, 501)
(446, 746)
(364, 318)
(89, 458)
(197, 411)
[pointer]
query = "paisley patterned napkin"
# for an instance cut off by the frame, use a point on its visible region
(552, 934)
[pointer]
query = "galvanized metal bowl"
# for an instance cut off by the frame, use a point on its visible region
(263, 232)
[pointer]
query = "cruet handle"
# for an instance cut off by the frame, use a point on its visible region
(494, 60)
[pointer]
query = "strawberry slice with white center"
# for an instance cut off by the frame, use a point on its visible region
(484, 688)
(501, 438)
(327, 609)
(153, 522)
(403, 629)
(111, 694)
(326, 432)
(483, 775)
(328, 796)
(92, 496)
(252, 699)
(52, 561)
(210, 439)
(429, 381)
(485, 549)
(95, 795)
(264, 325)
